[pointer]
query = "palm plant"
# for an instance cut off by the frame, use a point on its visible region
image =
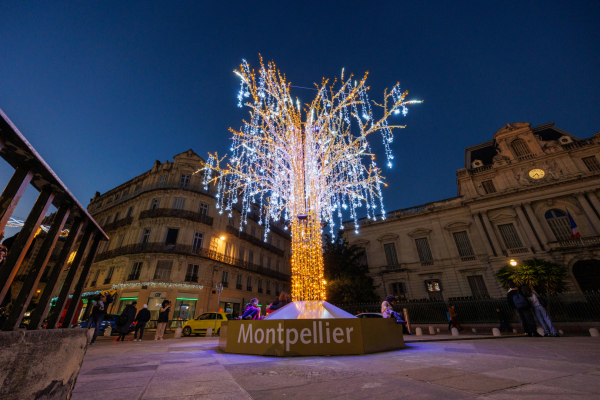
(546, 277)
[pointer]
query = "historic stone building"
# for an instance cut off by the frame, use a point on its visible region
(168, 241)
(514, 196)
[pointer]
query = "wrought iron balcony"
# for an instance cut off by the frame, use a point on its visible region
(191, 278)
(589, 241)
(118, 224)
(184, 249)
(519, 250)
(238, 287)
(254, 240)
(172, 213)
(225, 284)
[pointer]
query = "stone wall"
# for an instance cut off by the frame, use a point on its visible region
(40, 364)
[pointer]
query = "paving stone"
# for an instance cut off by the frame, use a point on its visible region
(537, 392)
(123, 393)
(477, 383)
(580, 382)
(431, 373)
(525, 374)
(92, 386)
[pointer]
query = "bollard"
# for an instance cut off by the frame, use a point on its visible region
(419, 332)
(455, 332)
(594, 332)
(178, 332)
(208, 331)
(515, 331)
(108, 331)
(431, 330)
(540, 330)
(560, 332)
(496, 332)
(474, 330)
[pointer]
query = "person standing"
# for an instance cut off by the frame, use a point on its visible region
(519, 303)
(539, 310)
(163, 319)
(502, 320)
(125, 320)
(142, 319)
(100, 305)
(454, 318)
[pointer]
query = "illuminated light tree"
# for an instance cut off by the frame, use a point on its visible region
(304, 166)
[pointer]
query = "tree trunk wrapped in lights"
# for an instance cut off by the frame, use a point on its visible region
(304, 172)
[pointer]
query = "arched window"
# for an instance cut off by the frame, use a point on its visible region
(520, 148)
(559, 223)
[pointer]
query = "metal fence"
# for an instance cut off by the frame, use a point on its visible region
(575, 307)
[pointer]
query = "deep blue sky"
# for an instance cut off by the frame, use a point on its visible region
(102, 89)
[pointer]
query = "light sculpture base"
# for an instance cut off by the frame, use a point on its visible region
(310, 328)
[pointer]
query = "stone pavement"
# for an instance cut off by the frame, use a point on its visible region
(193, 368)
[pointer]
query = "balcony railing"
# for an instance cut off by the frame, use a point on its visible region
(468, 258)
(191, 278)
(151, 187)
(527, 157)
(133, 277)
(483, 168)
(260, 290)
(172, 213)
(577, 144)
(238, 286)
(249, 288)
(394, 267)
(189, 250)
(579, 242)
(519, 250)
(251, 239)
(117, 224)
(268, 291)
(107, 281)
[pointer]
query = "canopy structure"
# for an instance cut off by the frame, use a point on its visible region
(312, 309)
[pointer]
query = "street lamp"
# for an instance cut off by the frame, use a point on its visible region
(514, 264)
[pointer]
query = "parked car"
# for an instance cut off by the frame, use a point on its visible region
(199, 325)
(109, 320)
(370, 315)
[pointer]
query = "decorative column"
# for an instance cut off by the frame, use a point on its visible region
(484, 239)
(493, 238)
(532, 239)
(536, 225)
(589, 211)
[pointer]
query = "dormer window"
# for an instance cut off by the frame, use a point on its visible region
(520, 148)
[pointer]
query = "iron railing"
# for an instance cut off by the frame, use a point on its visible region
(184, 249)
(118, 224)
(173, 213)
(571, 307)
(254, 240)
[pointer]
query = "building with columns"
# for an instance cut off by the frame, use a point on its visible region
(514, 197)
(168, 241)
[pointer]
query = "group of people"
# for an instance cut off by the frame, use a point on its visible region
(527, 303)
(252, 310)
(128, 316)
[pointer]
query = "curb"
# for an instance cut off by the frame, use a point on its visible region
(465, 338)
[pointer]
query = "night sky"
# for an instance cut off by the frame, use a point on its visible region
(103, 89)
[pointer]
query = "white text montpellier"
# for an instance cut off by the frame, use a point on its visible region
(306, 336)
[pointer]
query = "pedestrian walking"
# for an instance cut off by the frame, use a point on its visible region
(502, 320)
(519, 303)
(163, 319)
(449, 321)
(454, 318)
(538, 305)
(99, 307)
(142, 319)
(125, 320)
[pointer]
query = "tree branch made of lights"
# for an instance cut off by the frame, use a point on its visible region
(305, 166)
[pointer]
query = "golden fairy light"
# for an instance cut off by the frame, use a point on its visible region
(304, 166)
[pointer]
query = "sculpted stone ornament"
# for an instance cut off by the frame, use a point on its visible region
(553, 170)
(521, 176)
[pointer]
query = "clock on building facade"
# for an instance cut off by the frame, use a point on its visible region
(537, 173)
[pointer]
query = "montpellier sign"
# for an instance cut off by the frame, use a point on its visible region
(308, 337)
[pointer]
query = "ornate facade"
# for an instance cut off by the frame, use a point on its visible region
(168, 241)
(514, 197)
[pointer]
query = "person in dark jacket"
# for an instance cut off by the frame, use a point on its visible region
(283, 300)
(502, 320)
(163, 319)
(100, 305)
(519, 303)
(126, 319)
(142, 319)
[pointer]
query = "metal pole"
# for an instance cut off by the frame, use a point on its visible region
(219, 290)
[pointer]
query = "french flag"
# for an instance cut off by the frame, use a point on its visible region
(574, 231)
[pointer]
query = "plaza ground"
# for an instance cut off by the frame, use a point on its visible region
(194, 368)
